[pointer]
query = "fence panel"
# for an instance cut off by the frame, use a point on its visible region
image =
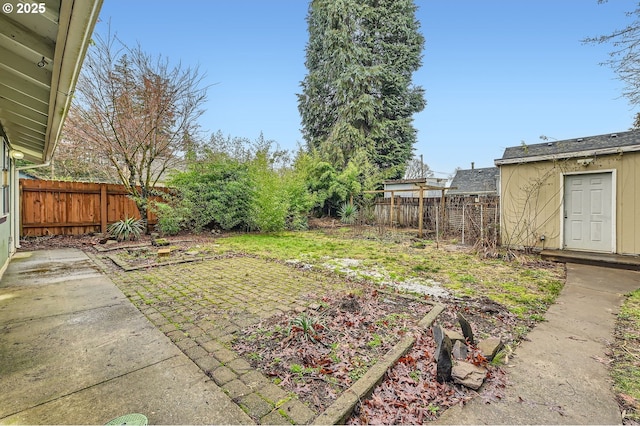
(467, 218)
(72, 208)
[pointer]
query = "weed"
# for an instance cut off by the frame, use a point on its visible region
(502, 357)
(415, 375)
(433, 409)
(375, 342)
(306, 327)
(254, 356)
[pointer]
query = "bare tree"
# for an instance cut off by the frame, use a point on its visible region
(135, 112)
(416, 168)
(624, 59)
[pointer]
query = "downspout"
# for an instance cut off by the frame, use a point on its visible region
(16, 200)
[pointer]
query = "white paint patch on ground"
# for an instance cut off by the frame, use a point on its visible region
(353, 268)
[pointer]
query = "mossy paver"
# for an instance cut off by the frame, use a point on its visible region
(222, 375)
(298, 412)
(274, 418)
(200, 306)
(255, 406)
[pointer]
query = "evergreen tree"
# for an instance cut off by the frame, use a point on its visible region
(358, 92)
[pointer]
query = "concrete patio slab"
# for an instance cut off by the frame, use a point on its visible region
(76, 351)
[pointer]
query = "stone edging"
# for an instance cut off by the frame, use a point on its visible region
(126, 267)
(340, 410)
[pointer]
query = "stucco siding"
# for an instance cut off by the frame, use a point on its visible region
(532, 201)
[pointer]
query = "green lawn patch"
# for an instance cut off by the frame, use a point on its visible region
(526, 286)
(625, 368)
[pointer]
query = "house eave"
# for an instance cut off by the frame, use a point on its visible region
(567, 155)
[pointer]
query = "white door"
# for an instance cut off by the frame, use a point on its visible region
(588, 212)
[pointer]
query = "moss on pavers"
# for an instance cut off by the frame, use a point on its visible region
(225, 355)
(299, 413)
(235, 388)
(200, 306)
(185, 344)
(213, 346)
(207, 364)
(239, 366)
(176, 336)
(273, 393)
(222, 375)
(274, 418)
(254, 380)
(254, 406)
(196, 352)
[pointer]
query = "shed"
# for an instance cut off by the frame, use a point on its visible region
(475, 182)
(404, 186)
(577, 194)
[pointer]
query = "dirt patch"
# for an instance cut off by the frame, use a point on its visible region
(319, 353)
(130, 258)
(322, 351)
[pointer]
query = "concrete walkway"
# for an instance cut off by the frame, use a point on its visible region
(556, 377)
(74, 350)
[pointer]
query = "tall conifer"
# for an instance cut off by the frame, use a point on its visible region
(358, 93)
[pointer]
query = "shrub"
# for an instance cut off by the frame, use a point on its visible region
(171, 218)
(129, 228)
(216, 193)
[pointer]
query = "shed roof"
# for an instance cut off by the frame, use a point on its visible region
(610, 143)
(475, 181)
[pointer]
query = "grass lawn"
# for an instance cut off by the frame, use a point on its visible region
(526, 286)
(625, 367)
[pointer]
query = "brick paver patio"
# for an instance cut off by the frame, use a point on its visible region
(200, 305)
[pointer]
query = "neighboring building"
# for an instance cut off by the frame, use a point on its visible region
(576, 194)
(25, 175)
(475, 182)
(41, 61)
(403, 186)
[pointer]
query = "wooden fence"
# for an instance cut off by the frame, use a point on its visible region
(467, 218)
(73, 208)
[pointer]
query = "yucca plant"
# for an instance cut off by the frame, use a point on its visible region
(348, 213)
(128, 228)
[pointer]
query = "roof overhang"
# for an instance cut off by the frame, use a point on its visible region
(563, 156)
(41, 55)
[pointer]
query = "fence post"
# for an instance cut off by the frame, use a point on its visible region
(420, 211)
(463, 221)
(443, 209)
(481, 223)
(391, 210)
(103, 208)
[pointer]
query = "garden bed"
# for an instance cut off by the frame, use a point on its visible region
(134, 257)
(320, 353)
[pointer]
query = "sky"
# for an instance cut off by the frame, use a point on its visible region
(496, 73)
